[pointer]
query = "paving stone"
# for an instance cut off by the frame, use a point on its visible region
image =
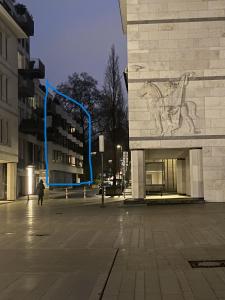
(73, 260)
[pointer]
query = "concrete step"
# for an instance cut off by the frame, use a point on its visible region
(175, 201)
(166, 201)
(134, 201)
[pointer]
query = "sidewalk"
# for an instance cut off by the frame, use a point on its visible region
(67, 249)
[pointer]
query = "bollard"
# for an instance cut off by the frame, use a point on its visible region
(84, 192)
(66, 193)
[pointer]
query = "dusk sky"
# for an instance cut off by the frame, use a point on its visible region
(76, 36)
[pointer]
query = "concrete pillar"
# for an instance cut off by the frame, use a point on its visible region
(181, 176)
(11, 181)
(187, 172)
(196, 173)
(138, 173)
(77, 178)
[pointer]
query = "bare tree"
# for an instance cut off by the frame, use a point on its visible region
(83, 88)
(112, 110)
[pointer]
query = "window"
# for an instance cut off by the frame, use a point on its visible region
(4, 132)
(20, 60)
(72, 130)
(4, 82)
(1, 131)
(73, 161)
(1, 86)
(27, 46)
(21, 149)
(57, 156)
(30, 152)
(1, 43)
(6, 89)
(6, 47)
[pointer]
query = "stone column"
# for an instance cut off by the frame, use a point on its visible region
(187, 172)
(196, 173)
(11, 181)
(138, 174)
(181, 176)
(77, 178)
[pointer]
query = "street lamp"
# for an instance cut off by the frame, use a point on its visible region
(101, 150)
(120, 148)
(110, 168)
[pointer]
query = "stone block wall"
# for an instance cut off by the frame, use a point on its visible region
(176, 79)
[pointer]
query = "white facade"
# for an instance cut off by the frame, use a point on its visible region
(65, 164)
(9, 34)
(176, 85)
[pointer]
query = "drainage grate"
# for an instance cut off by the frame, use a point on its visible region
(207, 263)
(59, 213)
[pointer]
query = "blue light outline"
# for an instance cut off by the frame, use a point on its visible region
(48, 85)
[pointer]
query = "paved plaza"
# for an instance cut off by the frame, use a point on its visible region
(73, 249)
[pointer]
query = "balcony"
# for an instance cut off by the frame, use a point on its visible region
(20, 15)
(26, 87)
(33, 127)
(36, 70)
(24, 19)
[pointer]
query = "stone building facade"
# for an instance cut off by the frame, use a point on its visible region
(176, 86)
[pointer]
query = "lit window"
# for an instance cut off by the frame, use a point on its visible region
(73, 161)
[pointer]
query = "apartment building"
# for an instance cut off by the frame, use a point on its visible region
(13, 25)
(176, 86)
(22, 162)
(64, 133)
(65, 152)
(65, 143)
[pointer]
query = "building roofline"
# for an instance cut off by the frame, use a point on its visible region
(123, 14)
(8, 19)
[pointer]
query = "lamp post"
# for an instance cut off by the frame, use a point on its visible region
(101, 150)
(120, 148)
(110, 167)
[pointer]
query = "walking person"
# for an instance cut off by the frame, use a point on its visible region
(40, 191)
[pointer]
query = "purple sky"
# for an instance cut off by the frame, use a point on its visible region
(76, 36)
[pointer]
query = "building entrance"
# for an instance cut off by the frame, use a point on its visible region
(174, 171)
(161, 176)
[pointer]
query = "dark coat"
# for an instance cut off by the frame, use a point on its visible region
(40, 188)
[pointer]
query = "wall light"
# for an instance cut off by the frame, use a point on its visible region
(30, 179)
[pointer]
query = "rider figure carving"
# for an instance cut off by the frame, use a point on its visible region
(170, 111)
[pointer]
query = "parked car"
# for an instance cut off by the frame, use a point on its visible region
(111, 190)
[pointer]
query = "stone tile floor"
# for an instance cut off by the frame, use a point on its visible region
(65, 249)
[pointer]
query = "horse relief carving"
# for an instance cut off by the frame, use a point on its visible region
(172, 114)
